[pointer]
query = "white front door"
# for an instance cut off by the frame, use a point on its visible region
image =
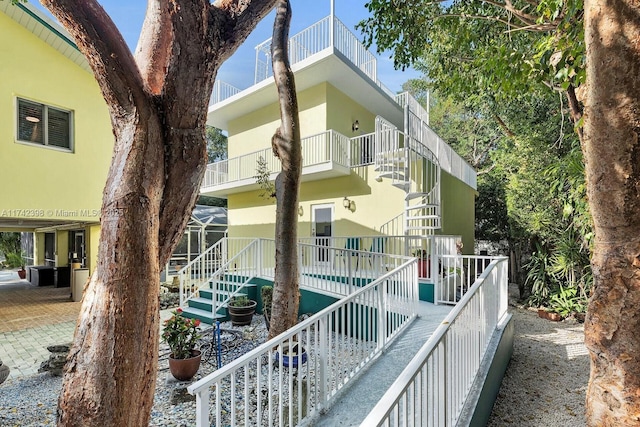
(322, 230)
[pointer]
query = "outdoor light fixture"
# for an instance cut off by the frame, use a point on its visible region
(355, 126)
(300, 210)
(349, 204)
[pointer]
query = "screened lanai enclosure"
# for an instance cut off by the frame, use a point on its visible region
(207, 225)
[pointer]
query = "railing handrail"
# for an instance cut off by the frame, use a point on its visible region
(210, 379)
(310, 140)
(391, 397)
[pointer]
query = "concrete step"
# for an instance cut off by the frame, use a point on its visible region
(204, 315)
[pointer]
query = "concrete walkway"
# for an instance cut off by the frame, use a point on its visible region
(355, 403)
(32, 318)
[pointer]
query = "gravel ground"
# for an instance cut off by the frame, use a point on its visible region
(544, 385)
(546, 381)
(31, 401)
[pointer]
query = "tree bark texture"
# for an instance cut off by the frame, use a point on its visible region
(287, 147)
(612, 156)
(158, 104)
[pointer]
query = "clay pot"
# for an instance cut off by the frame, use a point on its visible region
(544, 314)
(185, 369)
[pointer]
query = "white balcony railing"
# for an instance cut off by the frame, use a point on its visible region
(432, 389)
(314, 39)
(333, 346)
(322, 148)
(222, 91)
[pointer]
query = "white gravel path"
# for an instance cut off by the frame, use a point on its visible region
(546, 381)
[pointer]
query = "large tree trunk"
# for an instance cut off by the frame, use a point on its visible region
(612, 155)
(158, 105)
(286, 146)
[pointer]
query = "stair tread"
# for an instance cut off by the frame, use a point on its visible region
(201, 313)
(422, 206)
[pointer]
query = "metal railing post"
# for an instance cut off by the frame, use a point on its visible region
(259, 260)
(323, 333)
(382, 316)
(202, 408)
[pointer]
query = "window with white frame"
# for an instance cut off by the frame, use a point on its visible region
(44, 125)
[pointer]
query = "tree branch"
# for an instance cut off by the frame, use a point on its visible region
(102, 44)
(154, 46)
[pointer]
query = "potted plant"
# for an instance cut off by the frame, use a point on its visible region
(241, 310)
(182, 335)
(293, 355)
(424, 262)
(266, 293)
(15, 260)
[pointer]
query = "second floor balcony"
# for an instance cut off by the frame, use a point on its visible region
(324, 155)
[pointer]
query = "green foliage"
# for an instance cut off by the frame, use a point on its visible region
(14, 260)
(262, 179)
(181, 334)
(240, 301)
(211, 201)
(216, 144)
(473, 46)
(539, 281)
(9, 243)
(266, 293)
(566, 301)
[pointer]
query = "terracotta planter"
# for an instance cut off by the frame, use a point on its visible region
(554, 317)
(424, 267)
(185, 369)
(241, 316)
(22, 274)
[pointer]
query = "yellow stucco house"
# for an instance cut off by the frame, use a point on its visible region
(56, 141)
(371, 164)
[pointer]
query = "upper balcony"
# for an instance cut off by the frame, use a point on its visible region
(327, 51)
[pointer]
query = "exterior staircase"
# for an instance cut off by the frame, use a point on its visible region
(201, 307)
(412, 167)
(210, 281)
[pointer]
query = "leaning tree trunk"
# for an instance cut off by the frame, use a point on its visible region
(158, 106)
(287, 147)
(612, 156)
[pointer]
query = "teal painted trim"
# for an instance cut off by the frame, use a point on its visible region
(493, 380)
(359, 282)
(313, 302)
(425, 292)
(47, 25)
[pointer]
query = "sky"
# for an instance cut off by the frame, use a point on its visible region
(239, 69)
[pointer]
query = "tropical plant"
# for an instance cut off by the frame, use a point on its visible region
(266, 293)
(566, 301)
(421, 253)
(262, 179)
(14, 260)
(240, 301)
(539, 281)
(181, 334)
(9, 242)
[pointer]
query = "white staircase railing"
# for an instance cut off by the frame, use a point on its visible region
(262, 388)
(362, 257)
(202, 269)
(432, 389)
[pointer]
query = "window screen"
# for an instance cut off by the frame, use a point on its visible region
(41, 124)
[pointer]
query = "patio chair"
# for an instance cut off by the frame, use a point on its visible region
(377, 248)
(350, 247)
